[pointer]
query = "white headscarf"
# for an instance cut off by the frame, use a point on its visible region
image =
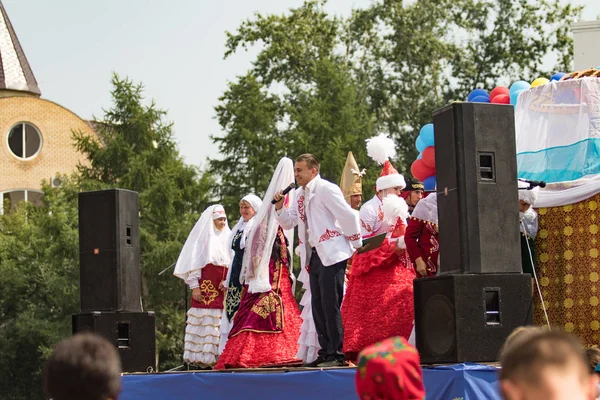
(205, 244)
(255, 267)
(426, 209)
(255, 202)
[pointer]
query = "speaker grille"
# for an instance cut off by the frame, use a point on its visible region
(439, 324)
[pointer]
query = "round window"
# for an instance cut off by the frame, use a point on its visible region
(24, 140)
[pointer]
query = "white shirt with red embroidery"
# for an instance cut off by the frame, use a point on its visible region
(371, 218)
(334, 228)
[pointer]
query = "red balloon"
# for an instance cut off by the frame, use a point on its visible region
(499, 90)
(429, 157)
(420, 170)
(501, 99)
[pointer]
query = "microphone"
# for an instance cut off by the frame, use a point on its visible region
(286, 191)
(533, 184)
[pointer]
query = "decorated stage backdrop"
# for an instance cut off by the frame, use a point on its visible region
(558, 141)
(568, 249)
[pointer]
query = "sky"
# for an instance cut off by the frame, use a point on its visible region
(174, 47)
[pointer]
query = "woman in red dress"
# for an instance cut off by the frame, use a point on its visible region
(379, 299)
(421, 237)
(266, 327)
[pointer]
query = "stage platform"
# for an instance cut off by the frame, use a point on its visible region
(448, 382)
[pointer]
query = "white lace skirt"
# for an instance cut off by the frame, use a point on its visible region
(202, 335)
(309, 340)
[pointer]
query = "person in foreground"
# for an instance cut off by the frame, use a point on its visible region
(266, 327)
(84, 366)
(329, 232)
(546, 365)
(390, 370)
(203, 264)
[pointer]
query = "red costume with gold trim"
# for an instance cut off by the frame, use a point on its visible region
(422, 234)
(266, 327)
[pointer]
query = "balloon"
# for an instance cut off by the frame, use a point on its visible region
(429, 156)
(477, 92)
(539, 81)
(557, 76)
(498, 90)
(514, 96)
(426, 135)
(420, 144)
(501, 99)
(518, 85)
(481, 99)
(421, 171)
(429, 183)
(420, 156)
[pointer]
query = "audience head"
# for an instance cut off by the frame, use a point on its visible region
(547, 365)
(85, 366)
(593, 357)
(390, 370)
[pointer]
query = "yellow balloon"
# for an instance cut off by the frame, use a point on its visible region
(539, 81)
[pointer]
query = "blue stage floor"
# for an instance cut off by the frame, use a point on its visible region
(452, 382)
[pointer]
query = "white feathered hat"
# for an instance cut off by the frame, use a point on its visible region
(381, 148)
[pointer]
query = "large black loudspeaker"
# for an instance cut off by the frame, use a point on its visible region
(132, 334)
(476, 175)
(109, 251)
(467, 317)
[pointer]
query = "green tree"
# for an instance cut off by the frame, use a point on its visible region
(333, 82)
(136, 151)
(416, 57)
(39, 277)
(299, 97)
(39, 246)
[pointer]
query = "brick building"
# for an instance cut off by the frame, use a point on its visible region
(35, 134)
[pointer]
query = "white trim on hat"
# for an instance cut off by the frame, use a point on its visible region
(390, 181)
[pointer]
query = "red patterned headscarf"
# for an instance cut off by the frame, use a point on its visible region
(390, 370)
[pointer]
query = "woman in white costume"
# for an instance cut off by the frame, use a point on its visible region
(203, 264)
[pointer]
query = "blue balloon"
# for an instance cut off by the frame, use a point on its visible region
(420, 144)
(477, 92)
(427, 135)
(519, 85)
(429, 183)
(420, 156)
(514, 96)
(481, 99)
(557, 76)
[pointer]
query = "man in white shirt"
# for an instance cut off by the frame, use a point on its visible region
(328, 233)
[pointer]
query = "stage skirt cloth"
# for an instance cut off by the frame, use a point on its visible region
(266, 327)
(204, 318)
(379, 300)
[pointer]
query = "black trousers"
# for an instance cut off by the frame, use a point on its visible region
(327, 292)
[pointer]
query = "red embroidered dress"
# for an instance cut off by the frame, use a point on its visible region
(266, 327)
(422, 241)
(378, 302)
